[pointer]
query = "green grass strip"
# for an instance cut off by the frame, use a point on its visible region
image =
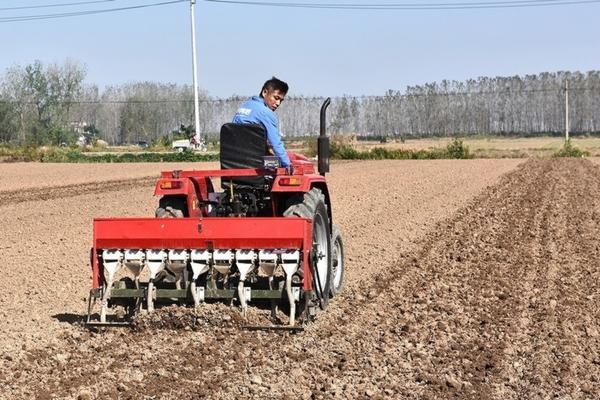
(455, 150)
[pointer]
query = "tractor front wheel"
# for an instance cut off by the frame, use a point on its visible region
(337, 249)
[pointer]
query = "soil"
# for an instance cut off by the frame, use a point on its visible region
(19, 176)
(465, 279)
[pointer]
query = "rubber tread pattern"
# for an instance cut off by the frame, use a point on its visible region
(307, 209)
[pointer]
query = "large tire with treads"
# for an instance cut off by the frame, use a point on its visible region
(172, 207)
(338, 265)
(312, 206)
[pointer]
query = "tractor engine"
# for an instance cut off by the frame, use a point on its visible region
(240, 203)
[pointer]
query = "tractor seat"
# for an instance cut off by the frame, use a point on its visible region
(243, 146)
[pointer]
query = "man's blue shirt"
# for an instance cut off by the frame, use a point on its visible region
(254, 111)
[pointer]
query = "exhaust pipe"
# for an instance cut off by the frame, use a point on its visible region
(323, 140)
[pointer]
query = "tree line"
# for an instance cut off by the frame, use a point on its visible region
(51, 104)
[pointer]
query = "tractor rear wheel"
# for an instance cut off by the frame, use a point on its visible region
(312, 206)
(337, 268)
(171, 207)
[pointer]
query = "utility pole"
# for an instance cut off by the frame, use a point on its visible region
(197, 139)
(567, 110)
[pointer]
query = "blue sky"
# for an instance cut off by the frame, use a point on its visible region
(318, 52)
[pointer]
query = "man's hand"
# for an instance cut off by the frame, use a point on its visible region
(289, 170)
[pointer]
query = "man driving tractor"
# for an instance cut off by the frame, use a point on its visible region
(261, 110)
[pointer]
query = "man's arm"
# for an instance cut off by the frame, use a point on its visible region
(274, 139)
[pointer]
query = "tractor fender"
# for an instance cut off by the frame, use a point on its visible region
(192, 189)
(304, 185)
(172, 187)
(297, 183)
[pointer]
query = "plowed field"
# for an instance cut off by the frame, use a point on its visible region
(465, 279)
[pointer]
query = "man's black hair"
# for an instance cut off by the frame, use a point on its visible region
(275, 84)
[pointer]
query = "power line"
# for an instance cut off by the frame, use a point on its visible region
(332, 6)
(79, 3)
(410, 6)
(87, 12)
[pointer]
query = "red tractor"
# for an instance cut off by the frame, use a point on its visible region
(267, 236)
